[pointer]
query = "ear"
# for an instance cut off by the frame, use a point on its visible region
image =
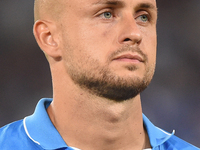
(47, 38)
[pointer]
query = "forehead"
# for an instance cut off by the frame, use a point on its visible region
(132, 3)
(138, 1)
(124, 1)
(135, 4)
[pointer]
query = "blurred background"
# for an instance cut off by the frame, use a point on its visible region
(172, 101)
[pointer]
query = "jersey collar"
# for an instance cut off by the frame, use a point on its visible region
(41, 131)
(156, 135)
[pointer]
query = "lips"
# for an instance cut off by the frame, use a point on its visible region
(129, 57)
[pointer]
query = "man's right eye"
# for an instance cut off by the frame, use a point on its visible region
(107, 15)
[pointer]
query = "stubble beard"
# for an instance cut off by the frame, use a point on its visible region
(100, 81)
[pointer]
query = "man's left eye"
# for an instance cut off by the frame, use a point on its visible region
(144, 18)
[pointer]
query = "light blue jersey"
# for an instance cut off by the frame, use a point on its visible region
(36, 132)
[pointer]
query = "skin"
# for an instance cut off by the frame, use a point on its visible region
(90, 37)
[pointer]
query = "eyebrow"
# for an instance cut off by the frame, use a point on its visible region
(110, 2)
(146, 6)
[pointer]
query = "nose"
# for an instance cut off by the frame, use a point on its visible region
(129, 32)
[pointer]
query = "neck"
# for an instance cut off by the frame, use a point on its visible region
(98, 123)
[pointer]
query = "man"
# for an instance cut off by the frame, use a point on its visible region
(102, 56)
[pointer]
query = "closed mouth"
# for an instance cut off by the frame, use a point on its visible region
(129, 57)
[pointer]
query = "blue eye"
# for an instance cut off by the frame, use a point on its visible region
(144, 18)
(107, 15)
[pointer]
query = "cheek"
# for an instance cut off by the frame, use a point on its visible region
(96, 43)
(149, 44)
(83, 50)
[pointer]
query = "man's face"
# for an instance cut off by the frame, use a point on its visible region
(109, 46)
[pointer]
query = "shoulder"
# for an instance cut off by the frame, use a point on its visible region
(175, 143)
(11, 130)
(13, 136)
